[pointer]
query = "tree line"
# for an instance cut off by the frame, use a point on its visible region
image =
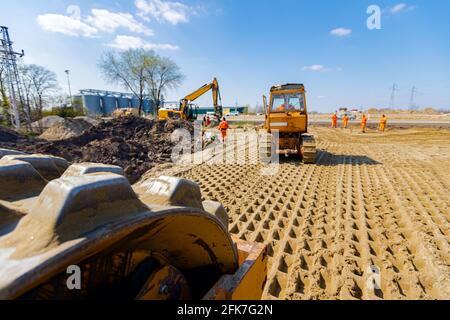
(39, 88)
(142, 72)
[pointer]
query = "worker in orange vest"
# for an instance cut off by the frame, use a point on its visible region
(285, 107)
(223, 127)
(345, 121)
(334, 120)
(363, 123)
(383, 122)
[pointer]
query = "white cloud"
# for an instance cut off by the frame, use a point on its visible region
(107, 21)
(172, 12)
(341, 32)
(401, 7)
(315, 68)
(66, 25)
(321, 68)
(398, 8)
(123, 42)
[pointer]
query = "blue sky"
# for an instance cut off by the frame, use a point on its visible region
(250, 45)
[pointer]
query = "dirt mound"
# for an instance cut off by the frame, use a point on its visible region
(66, 129)
(47, 122)
(136, 144)
(9, 136)
(92, 121)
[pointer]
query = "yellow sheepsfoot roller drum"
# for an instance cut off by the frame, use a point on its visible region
(84, 232)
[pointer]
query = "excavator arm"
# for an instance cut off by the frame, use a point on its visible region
(214, 86)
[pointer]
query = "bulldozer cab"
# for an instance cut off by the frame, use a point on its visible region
(287, 98)
(286, 110)
(286, 124)
(285, 102)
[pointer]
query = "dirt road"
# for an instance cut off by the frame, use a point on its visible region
(374, 209)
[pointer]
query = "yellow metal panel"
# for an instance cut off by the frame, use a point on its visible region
(248, 282)
(296, 122)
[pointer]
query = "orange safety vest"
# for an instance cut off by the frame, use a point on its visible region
(223, 126)
(281, 108)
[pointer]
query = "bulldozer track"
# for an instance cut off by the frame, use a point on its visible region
(308, 148)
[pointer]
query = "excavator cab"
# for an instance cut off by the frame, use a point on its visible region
(190, 112)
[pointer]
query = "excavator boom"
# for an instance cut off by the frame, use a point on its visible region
(214, 86)
(185, 113)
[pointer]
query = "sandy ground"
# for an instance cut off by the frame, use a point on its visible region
(373, 209)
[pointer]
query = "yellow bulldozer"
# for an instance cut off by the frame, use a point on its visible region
(187, 110)
(83, 232)
(286, 124)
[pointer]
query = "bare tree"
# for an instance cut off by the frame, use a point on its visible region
(39, 84)
(43, 84)
(162, 75)
(142, 72)
(127, 68)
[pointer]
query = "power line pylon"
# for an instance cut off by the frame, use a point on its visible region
(412, 104)
(8, 62)
(392, 101)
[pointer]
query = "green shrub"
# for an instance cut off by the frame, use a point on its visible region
(64, 112)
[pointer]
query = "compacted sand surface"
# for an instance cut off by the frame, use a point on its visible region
(370, 220)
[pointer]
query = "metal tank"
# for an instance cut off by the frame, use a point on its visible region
(123, 102)
(92, 104)
(148, 106)
(135, 102)
(109, 104)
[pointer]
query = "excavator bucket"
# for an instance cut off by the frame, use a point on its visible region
(156, 240)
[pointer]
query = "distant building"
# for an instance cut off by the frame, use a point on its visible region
(103, 103)
(226, 110)
(241, 110)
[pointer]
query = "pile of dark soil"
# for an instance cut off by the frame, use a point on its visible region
(9, 136)
(135, 144)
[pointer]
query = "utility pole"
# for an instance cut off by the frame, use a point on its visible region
(392, 101)
(70, 90)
